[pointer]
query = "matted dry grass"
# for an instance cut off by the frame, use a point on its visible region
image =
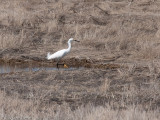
(129, 29)
(126, 30)
(131, 93)
(18, 109)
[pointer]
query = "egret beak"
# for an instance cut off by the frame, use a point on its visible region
(76, 40)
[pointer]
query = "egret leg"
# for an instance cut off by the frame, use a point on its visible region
(64, 65)
(57, 64)
(61, 64)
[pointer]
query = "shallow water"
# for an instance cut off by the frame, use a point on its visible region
(10, 68)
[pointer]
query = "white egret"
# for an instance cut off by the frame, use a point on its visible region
(61, 53)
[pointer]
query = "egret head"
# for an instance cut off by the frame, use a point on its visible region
(71, 39)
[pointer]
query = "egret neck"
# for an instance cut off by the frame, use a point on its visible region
(69, 46)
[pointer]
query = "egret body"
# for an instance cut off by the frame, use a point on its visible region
(61, 53)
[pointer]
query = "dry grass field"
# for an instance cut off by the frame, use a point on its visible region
(118, 52)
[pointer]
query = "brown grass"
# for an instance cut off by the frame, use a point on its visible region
(123, 33)
(130, 93)
(14, 108)
(107, 26)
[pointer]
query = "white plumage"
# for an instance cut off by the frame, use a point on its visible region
(61, 53)
(57, 55)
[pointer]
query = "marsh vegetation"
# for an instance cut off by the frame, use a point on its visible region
(118, 51)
